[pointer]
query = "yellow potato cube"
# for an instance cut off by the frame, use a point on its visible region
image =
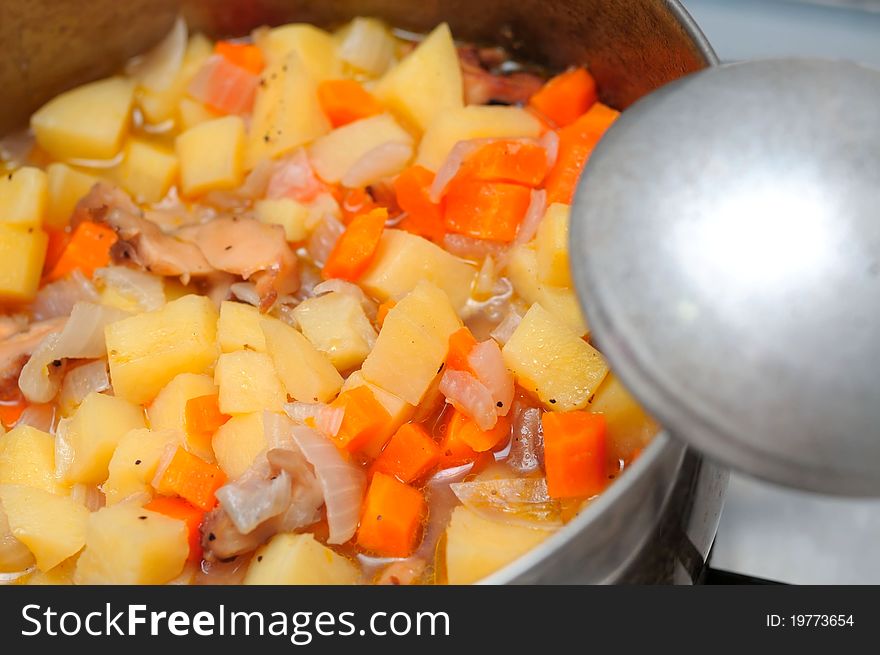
(88, 122)
(298, 559)
(402, 260)
(305, 372)
(629, 427)
(473, 122)
(552, 361)
(52, 527)
(239, 327)
(563, 304)
(412, 344)
(248, 383)
(147, 350)
(286, 113)
(126, 544)
(22, 252)
(147, 170)
(94, 432)
(27, 457)
(336, 325)
(192, 112)
(551, 244)
(160, 106)
(286, 212)
(477, 547)
(427, 83)
(62, 574)
(398, 409)
(210, 155)
(67, 186)
(237, 442)
(23, 196)
(315, 48)
(135, 461)
(168, 410)
(334, 154)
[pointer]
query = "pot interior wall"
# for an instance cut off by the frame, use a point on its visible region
(631, 46)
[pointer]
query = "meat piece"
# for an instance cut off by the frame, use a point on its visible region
(16, 349)
(252, 250)
(483, 84)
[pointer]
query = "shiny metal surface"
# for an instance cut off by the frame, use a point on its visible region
(726, 245)
(668, 503)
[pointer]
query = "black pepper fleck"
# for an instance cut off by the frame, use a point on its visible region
(212, 537)
(378, 517)
(137, 462)
(499, 404)
(553, 401)
(259, 558)
(142, 518)
(228, 248)
(56, 363)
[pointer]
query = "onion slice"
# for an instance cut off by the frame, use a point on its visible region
(529, 226)
(516, 501)
(469, 395)
(341, 481)
(79, 382)
(156, 70)
(58, 298)
(146, 289)
(383, 161)
(486, 361)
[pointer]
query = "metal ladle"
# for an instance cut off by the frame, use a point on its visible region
(725, 244)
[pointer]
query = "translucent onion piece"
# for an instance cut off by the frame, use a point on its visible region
(341, 481)
(380, 162)
(63, 449)
(506, 328)
(526, 440)
(469, 395)
(246, 292)
(460, 151)
(81, 338)
(15, 148)
(144, 288)
(467, 247)
(550, 143)
(323, 239)
(58, 298)
(516, 501)
(157, 69)
(529, 226)
(39, 416)
(221, 84)
(88, 496)
(254, 498)
(486, 361)
(368, 46)
(323, 417)
(293, 177)
(79, 382)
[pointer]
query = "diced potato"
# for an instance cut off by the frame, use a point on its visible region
(476, 547)
(298, 559)
(52, 527)
(211, 155)
(67, 186)
(23, 196)
(412, 344)
(27, 457)
(192, 112)
(629, 427)
(334, 154)
(551, 360)
(286, 113)
(402, 260)
(88, 122)
(398, 409)
(135, 461)
(336, 325)
(160, 106)
(237, 442)
(473, 122)
(305, 372)
(147, 171)
(248, 383)
(293, 216)
(148, 350)
(62, 574)
(94, 432)
(22, 253)
(168, 410)
(239, 327)
(315, 48)
(122, 547)
(522, 271)
(427, 83)
(551, 244)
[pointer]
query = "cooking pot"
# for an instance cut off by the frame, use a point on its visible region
(656, 523)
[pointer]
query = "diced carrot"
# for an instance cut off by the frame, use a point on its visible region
(354, 250)
(346, 101)
(243, 55)
(11, 409)
(191, 478)
(203, 417)
(192, 517)
(423, 217)
(383, 310)
(89, 249)
(391, 522)
(516, 162)
(566, 97)
(454, 451)
(364, 421)
(576, 144)
(485, 210)
(355, 202)
(58, 240)
(461, 343)
(574, 453)
(463, 429)
(409, 455)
